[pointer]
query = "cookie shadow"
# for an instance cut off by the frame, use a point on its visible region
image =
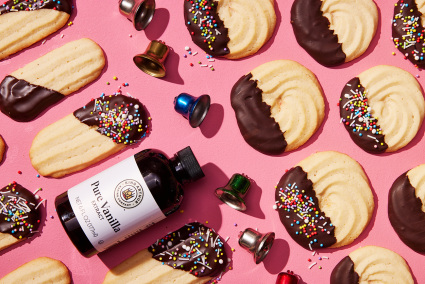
(278, 257)
(158, 25)
(373, 44)
(112, 156)
(213, 121)
(43, 216)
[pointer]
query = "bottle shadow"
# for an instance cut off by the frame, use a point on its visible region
(158, 24)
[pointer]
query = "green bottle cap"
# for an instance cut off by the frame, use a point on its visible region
(232, 193)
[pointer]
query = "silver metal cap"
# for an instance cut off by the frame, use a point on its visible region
(140, 12)
(256, 243)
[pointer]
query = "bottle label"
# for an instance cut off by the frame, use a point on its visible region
(114, 205)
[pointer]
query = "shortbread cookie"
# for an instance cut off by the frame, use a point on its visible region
(372, 264)
(278, 106)
(408, 30)
(42, 270)
(406, 209)
(194, 254)
(382, 109)
(334, 31)
(230, 28)
(2, 148)
(325, 201)
(28, 91)
(24, 22)
(20, 214)
(99, 129)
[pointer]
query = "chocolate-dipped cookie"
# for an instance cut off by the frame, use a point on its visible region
(24, 22)
(324, 201)
(408, 30)
(371, 264)
(278, 106)
(382, 109)
(30, 90)
(191, 254)
(406, 209)
(20, 211)
(230, 28)
(99, 129)
(334, 31)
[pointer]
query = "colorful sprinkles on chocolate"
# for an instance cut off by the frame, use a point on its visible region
(356, 115)
(299, 211)
(121, 118)
(32, 5)
(205, 26)
(20, 215)
(194, 248)
(407, 31)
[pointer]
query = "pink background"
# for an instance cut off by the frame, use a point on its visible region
(217, 144)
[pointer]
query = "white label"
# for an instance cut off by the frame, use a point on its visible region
(114, 205)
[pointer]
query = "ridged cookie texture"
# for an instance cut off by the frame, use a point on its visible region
(343, 195)
(372, 264)
(278, 106)
(103, 127)
(334, 31)
(396, 100)
(250, 25)
(175, 259)
(21, 214)
(406, 209)
(28, 91)
(42, 270)
(24, 22)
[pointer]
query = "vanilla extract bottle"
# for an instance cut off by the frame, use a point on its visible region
(125, 198)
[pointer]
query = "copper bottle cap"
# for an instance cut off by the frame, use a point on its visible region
(152, 60)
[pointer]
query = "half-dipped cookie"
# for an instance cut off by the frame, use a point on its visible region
(20, 214)
(408, 30)
(28, 91)
(334, 31)
(99, 129)
(382, 109)
(192, 254)
(278, 105)
(406, 209)
(372, 264)
(24, 22)
(230, 28)
(324, 201)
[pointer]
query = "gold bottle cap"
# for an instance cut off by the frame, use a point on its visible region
(152, 60)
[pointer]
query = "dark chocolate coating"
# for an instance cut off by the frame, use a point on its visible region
(406, 215)
(365, 142)
(322, 223)
(173, 246)
(398, 32)
(108, 124)
(14, 196)
(219, 45)
(23, 5)
(23, 101)
(344, 273)
(257, 126)
(312, 32)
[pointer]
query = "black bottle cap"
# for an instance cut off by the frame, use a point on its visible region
(190, 164)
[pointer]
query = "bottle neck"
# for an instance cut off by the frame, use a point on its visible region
(179, 172)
